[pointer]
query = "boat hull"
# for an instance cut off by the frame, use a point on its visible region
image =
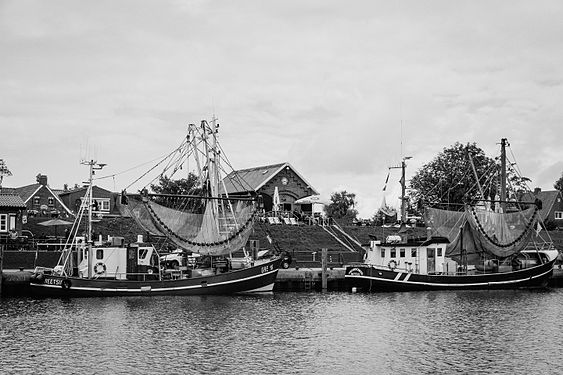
(257, 279)
(369, 278)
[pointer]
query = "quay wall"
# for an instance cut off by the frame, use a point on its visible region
(16, 283)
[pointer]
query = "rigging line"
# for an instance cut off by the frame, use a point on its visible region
(517, 169)
(128, 170)
(151, 169)
(242, 182)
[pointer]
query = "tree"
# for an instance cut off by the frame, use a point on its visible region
(183, 186)
(449, 177)
(342, 205)
(559, 184)
(4, 171)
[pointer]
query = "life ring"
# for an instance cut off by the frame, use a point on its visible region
(13, 234)
(392, 264)
(99, 268)
(66, 284)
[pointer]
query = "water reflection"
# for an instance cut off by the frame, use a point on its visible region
(436, 332)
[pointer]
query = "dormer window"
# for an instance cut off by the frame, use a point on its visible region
(36, 200)
(51, 201)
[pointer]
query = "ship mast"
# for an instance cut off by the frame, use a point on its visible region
(503, 143)
(94, 165)
(403, 167)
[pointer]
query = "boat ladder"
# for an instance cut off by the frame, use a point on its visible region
(308, 281)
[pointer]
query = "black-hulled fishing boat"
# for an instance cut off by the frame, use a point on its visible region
(206, 222)
(485, 246)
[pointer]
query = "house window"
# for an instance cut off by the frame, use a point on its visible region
(559, 214)
(402, 253)
(383, 253)
(413, 253)
(3, 223)
(101, 205)
(51, 201)
(393, 253)
(12, 222)
(36, 201)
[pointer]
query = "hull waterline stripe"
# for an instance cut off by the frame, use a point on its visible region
(451, 284)
(166, 289)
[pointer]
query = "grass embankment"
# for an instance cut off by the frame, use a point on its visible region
(301, 239)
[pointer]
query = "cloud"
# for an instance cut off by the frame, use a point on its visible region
(342, 91)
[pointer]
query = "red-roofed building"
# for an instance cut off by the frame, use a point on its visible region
(552, 205)
(291, 185)
(41, 200)
(11, 210)
(105, 201)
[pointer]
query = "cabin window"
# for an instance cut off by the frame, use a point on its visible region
(51, 201)
(402, 253)
(143, 253)
(383, 253)
(439, 252)
(100, 254)
(393, 253)
(431, 252)
(3, 223)
(413, 253)
(559, 214)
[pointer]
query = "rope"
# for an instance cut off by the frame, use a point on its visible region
(496, 243)
(176, 235)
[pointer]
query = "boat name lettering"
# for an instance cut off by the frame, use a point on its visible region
(267, 268)
(53, 281)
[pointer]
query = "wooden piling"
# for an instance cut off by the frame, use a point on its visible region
(324, 269)
(1, 267)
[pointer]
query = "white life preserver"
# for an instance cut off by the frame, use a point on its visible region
(99, 268)
(392, 264)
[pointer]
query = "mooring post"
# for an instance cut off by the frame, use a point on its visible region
(324, 275)
(1, 267)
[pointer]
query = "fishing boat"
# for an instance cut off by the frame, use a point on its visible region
(205, 225)
(486, 245)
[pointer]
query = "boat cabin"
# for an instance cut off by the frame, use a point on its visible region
(132, 262)
(420, 255)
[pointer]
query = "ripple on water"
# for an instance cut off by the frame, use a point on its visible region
(502, 332)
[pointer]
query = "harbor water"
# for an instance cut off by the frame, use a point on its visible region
(466, 332)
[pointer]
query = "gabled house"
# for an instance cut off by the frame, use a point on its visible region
(41, 200)
(290, 183)
(552, 205)
(105, 201)
(11, 213)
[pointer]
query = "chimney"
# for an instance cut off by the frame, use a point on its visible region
(537, 191)
(42, 179)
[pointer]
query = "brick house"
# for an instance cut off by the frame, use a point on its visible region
(105, 201)
(552, 205)
(41, 200)
(12, 208)
(291, 185)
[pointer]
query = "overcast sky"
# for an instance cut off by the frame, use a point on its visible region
(340, 89)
